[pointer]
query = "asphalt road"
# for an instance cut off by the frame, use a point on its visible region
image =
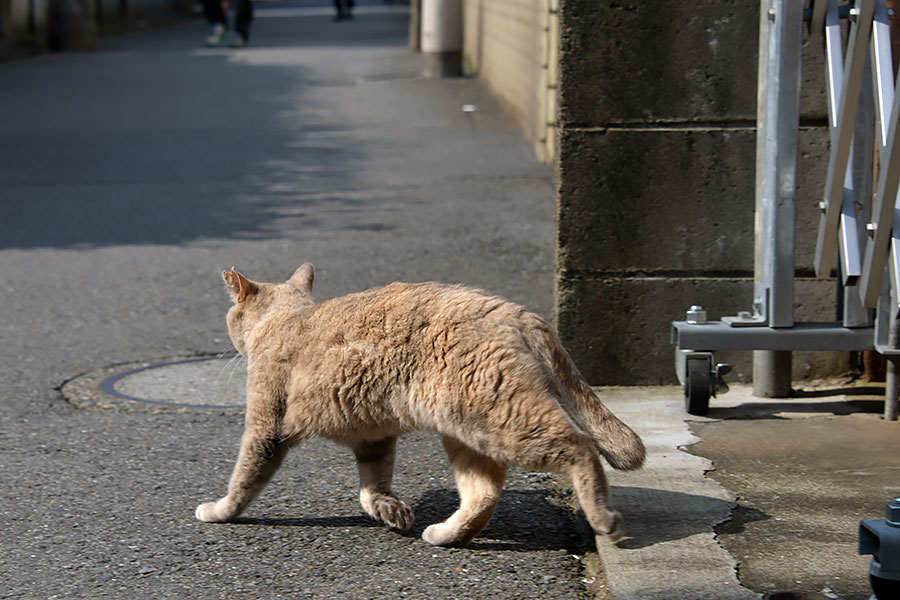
(129, 178)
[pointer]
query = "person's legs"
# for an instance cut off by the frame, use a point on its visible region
(212, 10)
(243, 16)
(218, 21)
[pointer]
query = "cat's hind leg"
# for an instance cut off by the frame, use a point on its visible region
(375, 461)
(479, 480)
(592, 490)
(259, 458)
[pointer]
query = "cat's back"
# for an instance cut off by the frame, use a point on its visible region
(414, 352)
(407, 308)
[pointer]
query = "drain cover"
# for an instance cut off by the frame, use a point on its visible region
(206, 382)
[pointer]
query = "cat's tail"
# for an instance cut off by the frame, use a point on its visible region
(615, 440)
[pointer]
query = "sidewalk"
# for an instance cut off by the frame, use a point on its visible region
(766, 491)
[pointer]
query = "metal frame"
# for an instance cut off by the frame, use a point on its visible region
(838, 220)
(718, 335)
(859, 94)
(778, 117)
(881, 247)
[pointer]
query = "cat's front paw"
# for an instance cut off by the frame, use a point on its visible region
(393, 511)
(389, 509)
(442, 534)
(213, 512)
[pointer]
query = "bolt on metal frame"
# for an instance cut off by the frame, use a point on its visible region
(863, 106)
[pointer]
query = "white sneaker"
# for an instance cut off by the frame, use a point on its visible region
(215, 35)
(237, 41)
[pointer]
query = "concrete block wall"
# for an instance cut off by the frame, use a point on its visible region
(511, 45)
(656, 175)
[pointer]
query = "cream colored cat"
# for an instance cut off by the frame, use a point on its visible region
(361, 369)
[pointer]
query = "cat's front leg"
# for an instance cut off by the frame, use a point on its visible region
(259, 458)
(376, 470)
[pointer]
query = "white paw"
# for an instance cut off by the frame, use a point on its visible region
(439, 535)
(209, 512)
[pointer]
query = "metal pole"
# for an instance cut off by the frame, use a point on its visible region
(778, 117)
(415, 25)
(892, 381)
(772, 373)
(442, 37)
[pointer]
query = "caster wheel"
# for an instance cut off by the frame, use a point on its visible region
(697, 388)
(884, 589)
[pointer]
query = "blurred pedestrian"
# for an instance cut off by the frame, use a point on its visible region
(216, 12)
(343, 9)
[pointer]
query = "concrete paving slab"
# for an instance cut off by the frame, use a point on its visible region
(805, 470)
(670, 507)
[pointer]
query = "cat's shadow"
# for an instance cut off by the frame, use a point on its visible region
(335, 521)
(655, 516)
(531, 520)
(525, 521)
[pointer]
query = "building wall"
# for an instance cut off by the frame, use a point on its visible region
(656, 176)
(114, 14)
(512, 46)
(74, 24)
(5, 18)
(23, 21)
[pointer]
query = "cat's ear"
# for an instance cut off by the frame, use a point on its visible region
(303, 278)
(239, 286)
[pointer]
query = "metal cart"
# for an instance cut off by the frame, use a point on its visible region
(856, 235)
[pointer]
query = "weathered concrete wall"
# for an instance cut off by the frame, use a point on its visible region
(656, 181)
(512, 46)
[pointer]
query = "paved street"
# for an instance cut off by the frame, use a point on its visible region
(129, 178)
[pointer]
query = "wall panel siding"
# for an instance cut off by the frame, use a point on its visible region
(507, 43)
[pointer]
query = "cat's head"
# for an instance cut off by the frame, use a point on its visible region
(252, 300)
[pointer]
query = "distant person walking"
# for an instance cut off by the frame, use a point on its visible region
(216, 16)
(343, 10)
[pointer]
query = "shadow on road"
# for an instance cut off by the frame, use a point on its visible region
(847, 401)
(163, 142)
(345, 521)
(525, 521)
(663, 516)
